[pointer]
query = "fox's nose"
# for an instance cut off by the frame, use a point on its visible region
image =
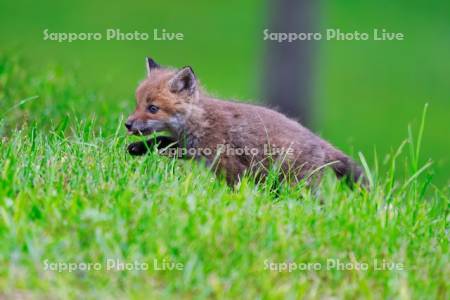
(128, 125)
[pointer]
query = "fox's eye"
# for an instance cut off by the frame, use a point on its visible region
(153, 108)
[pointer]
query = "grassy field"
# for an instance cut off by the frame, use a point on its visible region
(365, 92)
(70, 194)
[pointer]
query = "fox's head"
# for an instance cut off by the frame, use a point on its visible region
(164, 100)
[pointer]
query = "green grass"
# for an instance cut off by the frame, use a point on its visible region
(70, 193)
(365, 92)
(373, 89)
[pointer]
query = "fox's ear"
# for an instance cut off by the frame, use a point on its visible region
(183, 81)
(151, 64)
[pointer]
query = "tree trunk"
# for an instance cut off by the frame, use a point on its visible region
(288, 79)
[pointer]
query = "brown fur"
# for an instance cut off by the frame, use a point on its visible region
(197, 121)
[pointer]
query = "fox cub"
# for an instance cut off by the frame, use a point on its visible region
(232, 138)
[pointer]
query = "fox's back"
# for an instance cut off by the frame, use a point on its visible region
(246, 125)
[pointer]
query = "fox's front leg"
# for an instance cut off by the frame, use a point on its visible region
(161, 142)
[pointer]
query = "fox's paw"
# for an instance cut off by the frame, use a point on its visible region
(137, 148)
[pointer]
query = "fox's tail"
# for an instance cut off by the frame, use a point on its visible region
(345, 167)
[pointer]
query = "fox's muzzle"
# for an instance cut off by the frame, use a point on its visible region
(140, 127)
(128, 125)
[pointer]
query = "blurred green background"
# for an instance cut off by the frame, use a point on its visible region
(365, 92)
